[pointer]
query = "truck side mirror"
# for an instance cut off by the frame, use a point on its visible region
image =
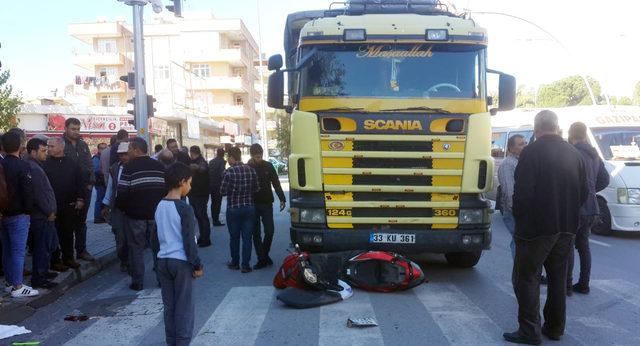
(506, 92)
(275, 62)
(275, 91)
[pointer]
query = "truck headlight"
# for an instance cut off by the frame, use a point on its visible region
(471, 216)
(633, 196)
(312, 216)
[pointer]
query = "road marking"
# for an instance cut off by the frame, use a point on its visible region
(238, 318)
(620, 289)
(128, 326)
(333, 322)
(597, 242)
(462, 322)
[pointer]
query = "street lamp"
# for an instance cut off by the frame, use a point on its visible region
(556, 40)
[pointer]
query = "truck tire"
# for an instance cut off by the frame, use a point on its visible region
(603, 227)
(463, 259)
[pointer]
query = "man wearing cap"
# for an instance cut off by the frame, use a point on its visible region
(109, 208)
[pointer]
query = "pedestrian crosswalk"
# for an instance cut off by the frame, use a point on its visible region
(460, 317)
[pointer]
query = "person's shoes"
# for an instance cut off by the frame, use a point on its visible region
(218, 223)
(7, 288)
(51, 275)
(260, 265)
(24, 292)
(546, 332)
(517, 338)
(232, 266)
(26, 272)
(98, 221)
(136, 287)
(84, 255)
(581, 289)
(269, 261)
(544, 280)
(59, 267)
(45, 284)
(246, 270)
(124, 268)
(204, 243)
(569, 291)
(71, 264)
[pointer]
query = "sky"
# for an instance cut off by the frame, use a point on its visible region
(594, 37)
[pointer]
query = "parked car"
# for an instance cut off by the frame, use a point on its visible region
(280, 166)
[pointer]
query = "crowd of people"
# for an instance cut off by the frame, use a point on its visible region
(48, 183)
(548, 202)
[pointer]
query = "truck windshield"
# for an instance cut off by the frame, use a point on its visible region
(394, 71)
(618, 143)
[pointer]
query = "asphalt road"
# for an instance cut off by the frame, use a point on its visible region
(457, 306)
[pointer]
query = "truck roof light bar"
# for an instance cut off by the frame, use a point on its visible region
(355, 35)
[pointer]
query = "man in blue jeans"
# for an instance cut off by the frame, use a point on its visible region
(506, 172)
(15, 218)
(239, 183)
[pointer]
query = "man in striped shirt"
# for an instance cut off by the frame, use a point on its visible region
(239, 183)
(140, 189)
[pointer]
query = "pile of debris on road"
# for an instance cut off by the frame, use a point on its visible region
(310, 280)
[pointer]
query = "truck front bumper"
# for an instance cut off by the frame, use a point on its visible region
(433, 241)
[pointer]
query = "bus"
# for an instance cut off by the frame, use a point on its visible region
(614, 132)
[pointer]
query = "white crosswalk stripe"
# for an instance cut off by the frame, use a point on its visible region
(128, 326)
(333, 323)
(238, 318)
(461, 321)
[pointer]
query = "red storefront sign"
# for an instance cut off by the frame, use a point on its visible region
(91, 123)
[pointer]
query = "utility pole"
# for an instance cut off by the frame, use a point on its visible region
(263, 115)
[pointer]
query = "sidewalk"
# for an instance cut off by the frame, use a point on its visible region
(100, 243)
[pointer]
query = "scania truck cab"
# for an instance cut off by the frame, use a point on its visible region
(390, 128)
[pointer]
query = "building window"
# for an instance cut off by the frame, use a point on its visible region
(238, 72)
(108, 71)
(239, 101)
(107, 46)
(162, 72)
(110, 101)
(201, 70)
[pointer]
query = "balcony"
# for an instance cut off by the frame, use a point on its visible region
(92, 59)
(86, 32)
(234, 56)
(235, 84)
(229, 111)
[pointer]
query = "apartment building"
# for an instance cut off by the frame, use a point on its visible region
(199, 68)
(270, 113)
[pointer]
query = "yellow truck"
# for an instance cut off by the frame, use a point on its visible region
(390, 128)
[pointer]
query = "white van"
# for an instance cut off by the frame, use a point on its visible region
(614, 132)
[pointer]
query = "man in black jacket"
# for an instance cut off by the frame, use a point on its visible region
(267, 177)
(43, 216)
(78, 151)
(597, 180)
(140, 189)
(178, 154)
(216, 170)
(67, 181)
(549, 190)
(199, 195)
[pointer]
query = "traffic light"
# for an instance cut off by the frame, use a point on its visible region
(150, 109)
(133, 102)
(130, 79)
(176, 8)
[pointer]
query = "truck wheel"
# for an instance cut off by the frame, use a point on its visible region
(463, 259)
(603, 227)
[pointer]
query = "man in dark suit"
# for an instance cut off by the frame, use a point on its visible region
(550, 187)
(216, 170)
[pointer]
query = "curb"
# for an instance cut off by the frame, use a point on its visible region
(14, 311)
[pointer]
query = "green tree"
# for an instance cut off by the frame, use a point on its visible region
(569, 91)
(283, 132)
(525, 97)
(9, 103)
(636, 95)
(622, 101)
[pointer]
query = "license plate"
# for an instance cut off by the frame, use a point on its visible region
(393, 238)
